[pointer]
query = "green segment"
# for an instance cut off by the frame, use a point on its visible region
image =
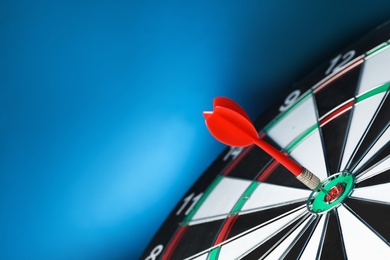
(317, 198)
(245, 196)
(299, 139)
(214, 254)
(377, 49)
(282, 115)
(373, 92)
(201, 200)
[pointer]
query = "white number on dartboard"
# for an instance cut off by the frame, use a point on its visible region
(290, 99)
(339, 61)
(155, 252)
(187, 200)
(233, 152)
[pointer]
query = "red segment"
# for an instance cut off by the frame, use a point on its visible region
(341, 110)
(262, 135)
(267, 172)
(225, 230)
(173, 243)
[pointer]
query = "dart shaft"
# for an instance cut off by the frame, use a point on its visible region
(286, 161)
(301, 173)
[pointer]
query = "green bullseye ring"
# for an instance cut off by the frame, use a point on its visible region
(317, 202)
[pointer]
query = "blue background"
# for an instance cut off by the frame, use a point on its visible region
(101, 131)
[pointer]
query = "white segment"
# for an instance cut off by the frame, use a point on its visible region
(247, 243)
(201, 257)
(362, 114)
(310, 154)
(376, 71)
(377, 169)
(378, 192)
(222, 199)
(269, 195)
(360, 242)
(281, 249)
(294, 123)
(312, 247)
(383, 140)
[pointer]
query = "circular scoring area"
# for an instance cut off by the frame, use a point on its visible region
(331, 192)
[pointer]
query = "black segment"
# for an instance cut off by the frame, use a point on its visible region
(264, 249)
(337, 92)
(298, 248)
(282, 176)
(333, 246)
(334, 138)
(374, 214)
(250, 220)
(380, 123)
(382, 178)
(251, 164)
(196, 239)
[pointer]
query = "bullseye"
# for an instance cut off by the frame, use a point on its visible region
(331, 193)
(334, 193)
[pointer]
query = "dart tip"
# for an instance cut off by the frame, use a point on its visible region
(207, 114)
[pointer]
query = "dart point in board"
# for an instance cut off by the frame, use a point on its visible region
(231, 125)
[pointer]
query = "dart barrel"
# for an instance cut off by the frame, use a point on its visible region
(308, 178)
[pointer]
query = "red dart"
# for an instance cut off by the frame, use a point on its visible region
(230, 124)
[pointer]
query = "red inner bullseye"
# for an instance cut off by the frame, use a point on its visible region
(334, 193)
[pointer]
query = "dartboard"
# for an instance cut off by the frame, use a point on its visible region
(335, 123)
